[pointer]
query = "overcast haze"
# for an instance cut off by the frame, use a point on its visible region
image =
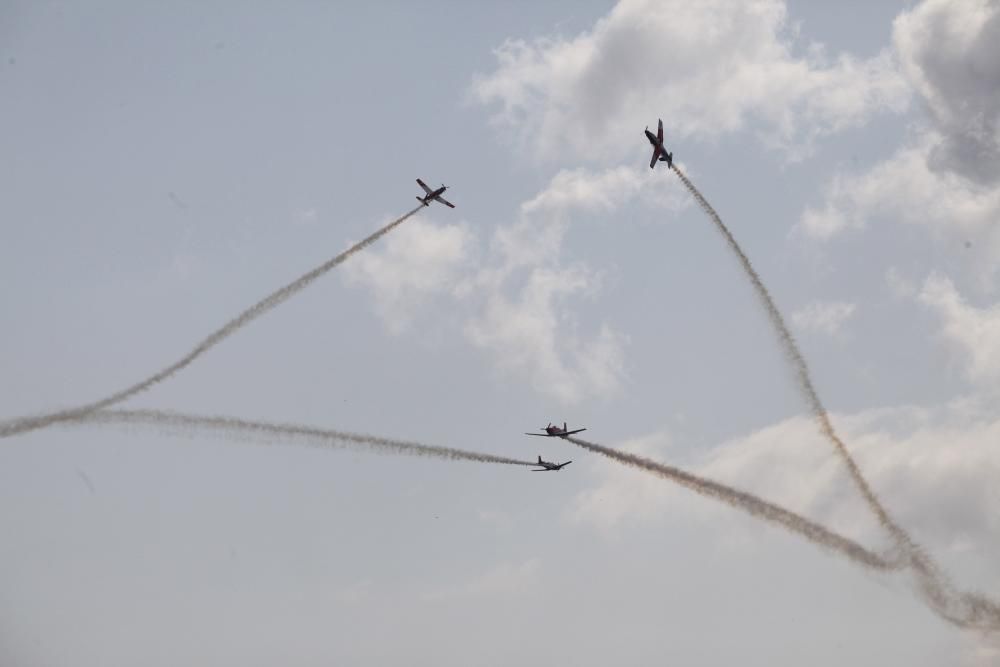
(166, 166)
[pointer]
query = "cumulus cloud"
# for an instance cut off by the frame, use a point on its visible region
(518, 301)
(935, 468)
(823, 317)
(532, 335)
(531, 331)
(975, 332)
(624, 495)
(420, 259)
(905, 189)
(947, 177)
(714, 64)
(950, 51)
(606, 190)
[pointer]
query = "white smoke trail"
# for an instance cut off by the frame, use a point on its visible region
(751, 504)
(801, 369)
(25, 424)
(279, 433)
(966, 610)
(962, 609)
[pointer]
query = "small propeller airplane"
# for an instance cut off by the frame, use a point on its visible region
(659, 152)
(548, 466)
(433, 195)
(556, 432)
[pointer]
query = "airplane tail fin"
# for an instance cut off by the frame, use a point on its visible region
(564, 427)
(539, 459)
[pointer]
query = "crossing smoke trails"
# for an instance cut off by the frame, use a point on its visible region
(965, 610)
(749, 503)
(962, 609)
(802, 376)
(278, 433)
(25, 424)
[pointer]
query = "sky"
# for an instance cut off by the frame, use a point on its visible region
(168, 165)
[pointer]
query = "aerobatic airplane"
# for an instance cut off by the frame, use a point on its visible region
(659, 152)
(554, 431)
(548, 466)
(433, 195)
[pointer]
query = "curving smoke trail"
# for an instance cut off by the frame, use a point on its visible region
(963, 609)
(279, 433)
(751, 504)
(801, 369)
(276, 298)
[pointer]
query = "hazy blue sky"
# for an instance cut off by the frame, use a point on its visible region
(168, 164)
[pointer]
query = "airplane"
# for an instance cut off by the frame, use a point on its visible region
(548, 466)
(659, 152)
(433, 195)
(554, 431)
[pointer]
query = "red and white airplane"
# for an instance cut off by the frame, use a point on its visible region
(659, 152)
(556, 432)
(433, 195)
(548, 466)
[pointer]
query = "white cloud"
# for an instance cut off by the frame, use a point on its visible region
(532, 332)
(823, 317)
(905, 189)
(950, 51)
(606, 190)
(418, 260)
(516, 302)
(947, 178)
(974, 331)
(935, 469)
(713, 64)
(624, 495)
(533, 336)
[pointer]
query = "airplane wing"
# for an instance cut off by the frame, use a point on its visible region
(541, 435)
(579, 430)
(659, 131)
(652, 161)
(444, 201)
(424, 186)
(541, 470)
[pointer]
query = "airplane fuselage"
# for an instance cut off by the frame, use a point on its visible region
(548, 466)
(660, 153)
(556, 432)
(433, 195)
